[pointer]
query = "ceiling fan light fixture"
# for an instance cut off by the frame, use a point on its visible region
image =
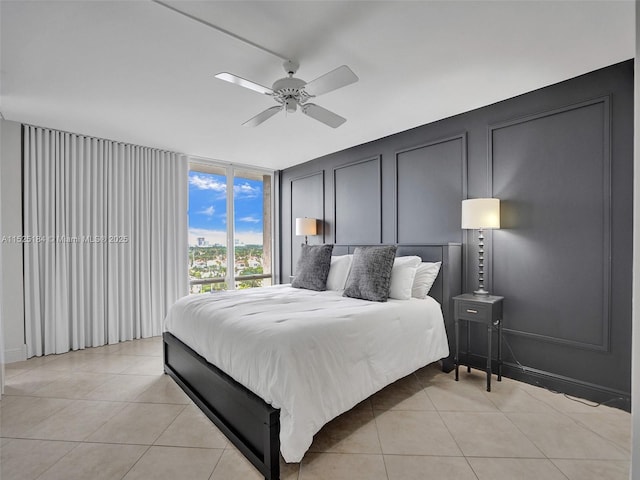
(290, 105)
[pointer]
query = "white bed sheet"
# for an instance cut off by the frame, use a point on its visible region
(313, 355)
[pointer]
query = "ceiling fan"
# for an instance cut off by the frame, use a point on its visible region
(291, 92)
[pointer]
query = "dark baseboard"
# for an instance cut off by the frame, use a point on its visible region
(558, 383)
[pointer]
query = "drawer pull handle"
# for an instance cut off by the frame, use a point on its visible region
(471, 311)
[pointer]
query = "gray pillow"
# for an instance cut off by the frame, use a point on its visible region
(370, 277)
(313, 267)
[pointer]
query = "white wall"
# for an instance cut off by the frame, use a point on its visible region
(1, 270)
(635, 348)
(12, 306)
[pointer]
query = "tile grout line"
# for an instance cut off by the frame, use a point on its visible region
(466, 459)
(58, 461)
(584, 425)
(526, 436)
(449, 431)
(184, 407)
(575, 422)
(375, 421)
(136, 462)
(504, 414)
(94, 442)
(220, 459)
(453, 437)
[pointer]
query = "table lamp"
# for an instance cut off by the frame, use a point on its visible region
(479, 214)
(305, 226)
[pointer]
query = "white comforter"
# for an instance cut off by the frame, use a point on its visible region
(313, 355)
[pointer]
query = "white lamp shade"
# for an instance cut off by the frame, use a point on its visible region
(481, 213)
(305, 226)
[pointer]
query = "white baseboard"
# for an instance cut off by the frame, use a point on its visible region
(13, 355)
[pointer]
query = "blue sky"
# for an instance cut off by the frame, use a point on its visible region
(208, 208)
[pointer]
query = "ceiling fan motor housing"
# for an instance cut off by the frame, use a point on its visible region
(289, 91)
(289, 86)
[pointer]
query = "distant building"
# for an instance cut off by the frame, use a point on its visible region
(201, 242)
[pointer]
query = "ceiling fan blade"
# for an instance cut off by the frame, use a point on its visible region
(338, 78)
(262, 116)
(231, 78)
(323, 115)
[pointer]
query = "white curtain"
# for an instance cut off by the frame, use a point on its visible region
(105, 247)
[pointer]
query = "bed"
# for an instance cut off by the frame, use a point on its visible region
(278, 394)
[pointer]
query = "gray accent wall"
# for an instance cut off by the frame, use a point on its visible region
(532, 161)
(431, 175)
(306, 200)
(561, 161)
(350, 226)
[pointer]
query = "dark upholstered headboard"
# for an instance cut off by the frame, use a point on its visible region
(448, 284)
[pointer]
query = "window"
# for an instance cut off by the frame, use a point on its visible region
(222, 254)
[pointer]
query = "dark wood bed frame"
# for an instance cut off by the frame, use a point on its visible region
(249, 423)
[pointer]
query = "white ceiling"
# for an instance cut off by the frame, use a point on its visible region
(138, 72)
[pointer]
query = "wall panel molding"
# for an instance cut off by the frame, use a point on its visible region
(362, 213)
(433, 191)
(308, 209)
(511, 211)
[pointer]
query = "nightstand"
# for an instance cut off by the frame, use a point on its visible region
(480, 309)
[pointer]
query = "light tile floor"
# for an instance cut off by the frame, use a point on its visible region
(111, 413)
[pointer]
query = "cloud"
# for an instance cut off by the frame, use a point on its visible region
(207, 183)
(209, 211)
(249, 219)
(245, 190)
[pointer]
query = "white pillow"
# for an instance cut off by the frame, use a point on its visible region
(426, 274)
(339, 271)
(402, 275)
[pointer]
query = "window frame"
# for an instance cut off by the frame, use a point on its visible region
(206, 165)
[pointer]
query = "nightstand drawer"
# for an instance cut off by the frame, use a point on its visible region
(473, 311)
